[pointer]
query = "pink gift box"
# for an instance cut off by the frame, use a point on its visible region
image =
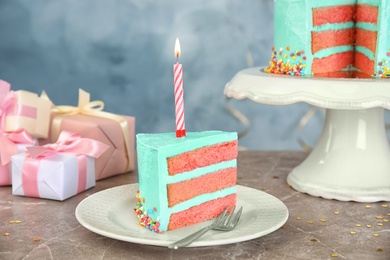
(24, 110)
(56, 171)
(11, 144)
(105, 127)
(115, 160)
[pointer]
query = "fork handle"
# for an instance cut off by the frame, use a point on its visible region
(191, 238)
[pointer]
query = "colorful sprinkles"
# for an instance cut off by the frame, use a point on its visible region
(143, 215)
(384, 67)
(287, 62)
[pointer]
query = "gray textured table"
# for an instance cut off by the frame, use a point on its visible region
(316, 229)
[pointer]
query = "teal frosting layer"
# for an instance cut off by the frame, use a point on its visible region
(335, 26)
(370, 2)
(329, 51)
(152, 153)
(365, 51)
(367, 26)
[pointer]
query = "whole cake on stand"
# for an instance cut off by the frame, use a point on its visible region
(332, 54)
(351, 161)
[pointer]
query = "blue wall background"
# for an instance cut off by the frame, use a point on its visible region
(121, 51)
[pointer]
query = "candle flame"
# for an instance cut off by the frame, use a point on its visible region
(177, 49)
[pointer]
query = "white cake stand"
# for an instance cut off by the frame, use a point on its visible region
(351, 161)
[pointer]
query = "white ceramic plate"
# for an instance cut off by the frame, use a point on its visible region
(110, 213)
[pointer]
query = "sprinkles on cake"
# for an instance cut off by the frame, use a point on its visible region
(384, 67)
(295, 66)
(143, 215)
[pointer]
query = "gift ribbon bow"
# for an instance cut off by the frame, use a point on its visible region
(6, 106)
(69, 143)
(8, 142)
(93, 108)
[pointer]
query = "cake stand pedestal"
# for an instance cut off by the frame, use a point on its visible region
(351, 161)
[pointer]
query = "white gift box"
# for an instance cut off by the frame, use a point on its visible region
(57, 178)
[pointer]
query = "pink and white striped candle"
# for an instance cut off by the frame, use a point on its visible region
(179, 100)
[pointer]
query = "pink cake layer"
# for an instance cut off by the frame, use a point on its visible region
(202, 157)
(333, 14)
(185, 190)
(334, 62)
(363, 63)
(367, 13)
(332, 38)
(366, 39)
(205, 211)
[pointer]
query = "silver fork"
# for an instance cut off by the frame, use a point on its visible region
(225, 222)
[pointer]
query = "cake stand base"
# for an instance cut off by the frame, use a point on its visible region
(351, 161)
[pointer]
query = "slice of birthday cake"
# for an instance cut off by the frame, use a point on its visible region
(316, 37)
(184, 181)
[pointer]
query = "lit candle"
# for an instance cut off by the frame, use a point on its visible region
(178, 90)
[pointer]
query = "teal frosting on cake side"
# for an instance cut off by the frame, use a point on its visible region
(153, 151)
(382, 61)
(290, 38)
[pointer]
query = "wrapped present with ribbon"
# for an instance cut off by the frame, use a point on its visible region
(10, 144)
(23, 110)
(90, 121)
(57, 171)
